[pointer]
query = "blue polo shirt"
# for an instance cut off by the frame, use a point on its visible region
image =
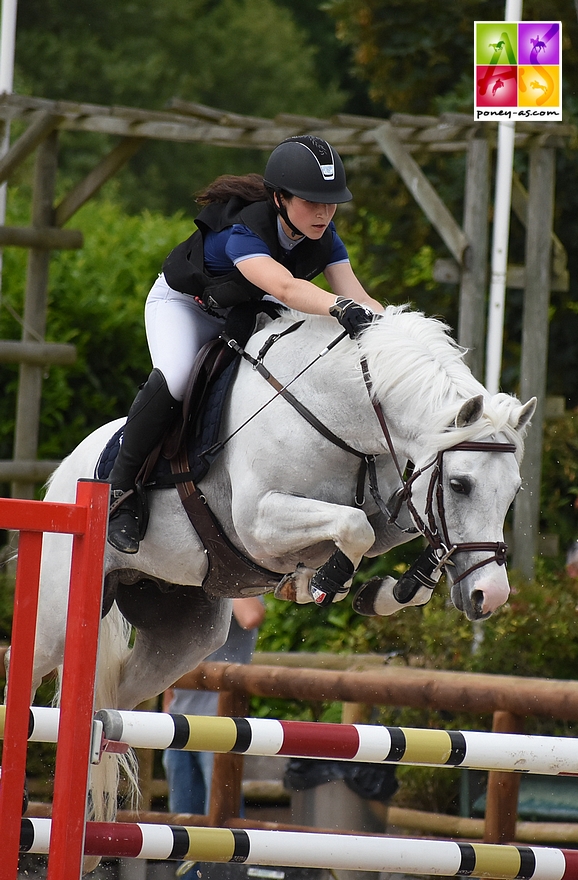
(225, 249)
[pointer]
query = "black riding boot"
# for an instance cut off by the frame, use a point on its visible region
(151, 413)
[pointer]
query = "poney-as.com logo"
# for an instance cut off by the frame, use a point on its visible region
(518, 70)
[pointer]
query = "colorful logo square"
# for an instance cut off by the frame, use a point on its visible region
(496, 42)
(497, 86)
(538, 86)
(518, 70)
(539, 43)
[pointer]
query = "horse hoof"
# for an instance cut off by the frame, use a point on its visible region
(364, 600)
(285, 589)
(377, 597)
(295, 586)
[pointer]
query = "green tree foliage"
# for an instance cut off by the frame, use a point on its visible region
(246, 56)
(96, 300)
(419, 59)
(249, 57)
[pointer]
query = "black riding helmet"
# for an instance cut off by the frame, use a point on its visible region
(308, 167)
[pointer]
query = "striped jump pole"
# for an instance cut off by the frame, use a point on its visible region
(553, 756)
(475, 750)
(314, 850)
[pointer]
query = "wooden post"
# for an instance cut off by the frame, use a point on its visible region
(355, 713)
(533, 367)
(503, 789)
(146, 759)
(35, 307)
(227, 781)
(105, 169)
(474, 280)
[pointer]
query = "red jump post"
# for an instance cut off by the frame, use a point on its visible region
(86, 520)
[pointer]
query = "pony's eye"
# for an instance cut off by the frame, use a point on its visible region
(461, 486)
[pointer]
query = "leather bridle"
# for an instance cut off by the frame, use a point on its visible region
(438, 538)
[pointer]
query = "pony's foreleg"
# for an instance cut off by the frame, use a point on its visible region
(385, 596)
(286, 524)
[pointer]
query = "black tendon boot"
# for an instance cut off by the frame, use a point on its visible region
(424, 572)
(151, 413)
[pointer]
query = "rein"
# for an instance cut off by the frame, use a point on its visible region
(440, 543)
(367, 461)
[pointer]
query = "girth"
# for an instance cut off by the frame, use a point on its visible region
(230, 574)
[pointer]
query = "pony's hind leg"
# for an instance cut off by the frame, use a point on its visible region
(175, 630)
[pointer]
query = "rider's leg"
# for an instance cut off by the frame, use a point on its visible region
(176, 330)
(151, 413)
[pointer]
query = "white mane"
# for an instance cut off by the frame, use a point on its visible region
(417, 367)
(413, 358)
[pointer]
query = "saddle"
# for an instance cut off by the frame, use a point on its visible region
(184, 457)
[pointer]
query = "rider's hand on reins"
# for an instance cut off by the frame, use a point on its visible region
(352, 316)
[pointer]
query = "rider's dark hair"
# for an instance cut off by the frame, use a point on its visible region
(248, 186)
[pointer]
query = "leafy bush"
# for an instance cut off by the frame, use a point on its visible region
(559, 497)
(96, 302)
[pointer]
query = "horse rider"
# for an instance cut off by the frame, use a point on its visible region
(257, 236)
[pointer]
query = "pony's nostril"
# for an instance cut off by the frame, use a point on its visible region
(478, 599)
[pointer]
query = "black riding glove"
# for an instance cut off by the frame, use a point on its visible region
(352, 316)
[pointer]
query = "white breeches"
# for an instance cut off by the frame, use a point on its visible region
(176, 328)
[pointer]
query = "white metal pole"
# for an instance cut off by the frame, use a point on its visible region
(7, 42)
(7, 45)
(501, 231)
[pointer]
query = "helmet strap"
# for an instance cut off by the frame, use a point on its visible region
(282, 211)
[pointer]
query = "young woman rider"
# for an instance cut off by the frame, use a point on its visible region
(257, 236)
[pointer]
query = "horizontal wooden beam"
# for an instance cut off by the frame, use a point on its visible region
(448, 272)
(213, 114)
(395, 686)
(41, 237)
(26, 471)
(39, 353)
(43, 123)
(188, 122)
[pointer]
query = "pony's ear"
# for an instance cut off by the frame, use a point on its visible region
(521, 416)
(470, 411)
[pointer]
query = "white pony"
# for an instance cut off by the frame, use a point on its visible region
(284, 495)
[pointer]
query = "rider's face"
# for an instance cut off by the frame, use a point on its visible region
(312, 218)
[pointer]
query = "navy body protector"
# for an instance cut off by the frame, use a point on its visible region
(184, 267)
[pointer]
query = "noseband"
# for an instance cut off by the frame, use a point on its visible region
(438, 538)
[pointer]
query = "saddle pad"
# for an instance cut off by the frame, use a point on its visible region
(208, 426)
(201, 438)
(108, 456)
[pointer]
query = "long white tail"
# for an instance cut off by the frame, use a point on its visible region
(104, 777)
